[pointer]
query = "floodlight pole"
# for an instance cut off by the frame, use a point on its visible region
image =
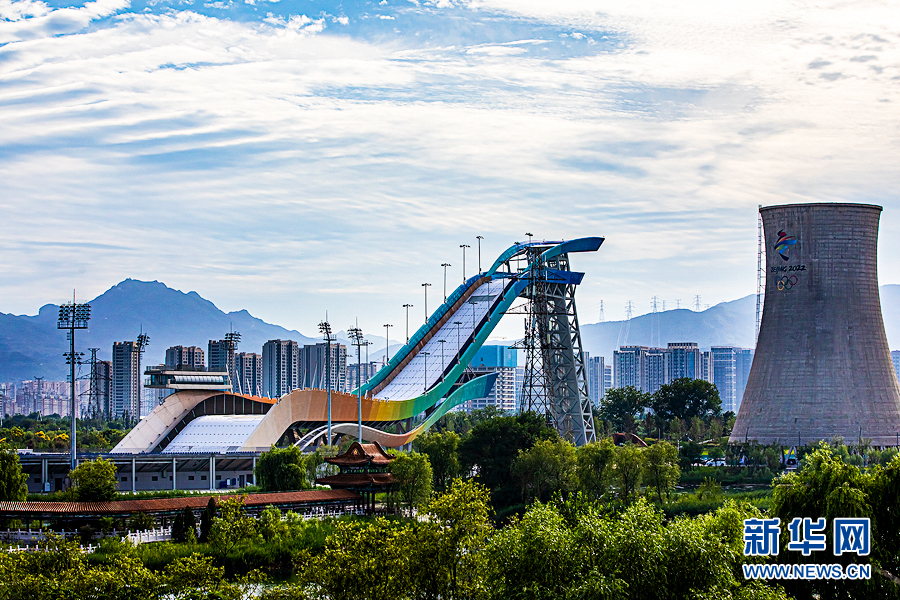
(458, 346)
(356, 335)
(143, 341)
(479, 238)
(407, 307)
(325, 328)
(442, 342)
(464, 246)
(426, 355)
(445, 265)
(71, 317)
(426, 286)
(387, 343)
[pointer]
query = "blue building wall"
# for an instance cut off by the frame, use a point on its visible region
(495, 356)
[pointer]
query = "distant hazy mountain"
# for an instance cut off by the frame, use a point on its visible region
(31, 345)
(726, 324)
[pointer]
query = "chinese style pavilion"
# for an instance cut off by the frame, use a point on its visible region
(364, 470)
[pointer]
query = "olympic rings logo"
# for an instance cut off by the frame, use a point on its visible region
(787, 282)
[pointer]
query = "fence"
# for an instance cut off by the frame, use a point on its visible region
(15, 536)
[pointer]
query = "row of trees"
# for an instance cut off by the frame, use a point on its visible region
(567, 549)
(684, 408)
(52, 433)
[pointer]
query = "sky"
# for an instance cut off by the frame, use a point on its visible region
(301, 156)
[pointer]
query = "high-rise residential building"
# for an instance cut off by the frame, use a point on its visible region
(502, 360)
(7, 399)
(314, 362)
(743, 362)
(683, 360)
(220, 358)
(595, 368)
(249, 367)
(630, 367)
(730, 369)
(706, 366)
(607, 378)
(186, 356)
(126, 381)
(366, 373)
(724, 375)
(657, 369)
(103, 376)
(281, 367)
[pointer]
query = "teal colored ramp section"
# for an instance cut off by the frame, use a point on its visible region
(432, 397)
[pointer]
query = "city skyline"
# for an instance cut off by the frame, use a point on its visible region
(276, 155)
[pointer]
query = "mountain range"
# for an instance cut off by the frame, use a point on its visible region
(32, 346)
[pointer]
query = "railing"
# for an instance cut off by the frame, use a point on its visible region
(161, 534)
(88, 549)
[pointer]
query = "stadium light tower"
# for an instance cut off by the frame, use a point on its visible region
(442, 342)
(426, 355)
(479, 238)
(426, 286)
(387, 343)
(356, 335)
(407, 307)
(143, 340)
(445, 265)
(73, 316)
(325, 329)
(464, 246)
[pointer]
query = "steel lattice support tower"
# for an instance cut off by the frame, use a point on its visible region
(555, 382)
(94, 389)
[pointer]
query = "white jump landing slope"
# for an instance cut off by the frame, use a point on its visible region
(413, 380)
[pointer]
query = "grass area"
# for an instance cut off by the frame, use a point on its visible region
(698, 503)
(727, 476)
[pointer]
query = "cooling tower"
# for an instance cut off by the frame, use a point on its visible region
(822, 366)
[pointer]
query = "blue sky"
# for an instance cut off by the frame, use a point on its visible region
(294, 157)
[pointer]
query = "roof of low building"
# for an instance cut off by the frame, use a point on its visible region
(357, 480)
(359, 455)
(165, 505)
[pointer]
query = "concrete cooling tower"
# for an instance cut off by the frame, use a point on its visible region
(822, 366)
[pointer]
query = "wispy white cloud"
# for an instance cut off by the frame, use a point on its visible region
(269, 162)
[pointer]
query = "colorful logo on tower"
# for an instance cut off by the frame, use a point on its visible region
(784, 240)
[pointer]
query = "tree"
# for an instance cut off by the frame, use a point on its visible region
(12, 480)
(685, 398)
(413, 477)
(827, 487)
(442, 450)
(629, 468)
(546, 467)
(491, 447)
(662, 468)
(271, 525)
(207, 518)
(363, 560)
(459, 526)
(184, 529)
(94, 480)
(622, 406)
(281, 469)
(232, 527)
(595, 467)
